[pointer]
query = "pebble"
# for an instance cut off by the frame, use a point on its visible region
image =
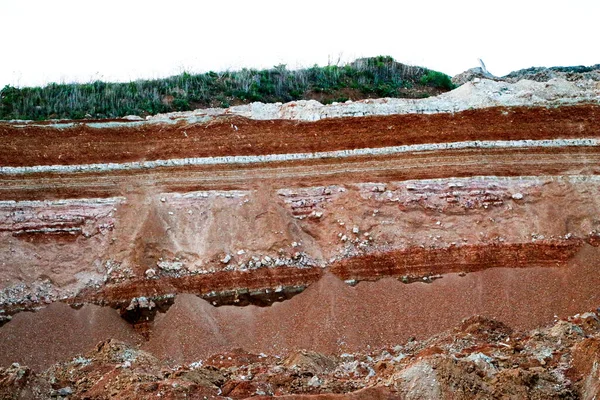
(66, 391)
(150, 273)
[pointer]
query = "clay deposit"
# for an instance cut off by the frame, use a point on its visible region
(307, 246)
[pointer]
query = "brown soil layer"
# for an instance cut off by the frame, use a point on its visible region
(43, 145)
(442, 164)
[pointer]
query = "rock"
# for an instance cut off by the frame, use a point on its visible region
(310, 362)
(317, 214)
(66, 391)
(226, 259)
(517, 196)
(133, 118)
(471, 75)
(150, 273)
(170, 265)
(314, 381)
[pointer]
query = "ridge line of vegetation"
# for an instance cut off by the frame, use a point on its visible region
(363, 78)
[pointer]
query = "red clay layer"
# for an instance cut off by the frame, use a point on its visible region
(40, 145)
(413, 263)
(442, 164)
(419, 262)
(333, 317)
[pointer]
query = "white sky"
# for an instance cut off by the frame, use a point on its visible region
(82, 40)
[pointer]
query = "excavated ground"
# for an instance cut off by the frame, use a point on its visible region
(84, 143)
(347, 252)
(480, 358)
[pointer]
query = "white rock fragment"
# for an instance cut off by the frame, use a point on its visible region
(314, 381)
(517, 196)
(170, 265)
(226, 259)
(150, 273)
(355, 230)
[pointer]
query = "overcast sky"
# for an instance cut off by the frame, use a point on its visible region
(82, 40)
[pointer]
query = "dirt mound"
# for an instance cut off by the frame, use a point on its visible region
(578, 74)
(543, 74)
(481, 358)
(471, 74)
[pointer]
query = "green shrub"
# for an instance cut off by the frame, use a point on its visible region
(366, 77)
(437, 79)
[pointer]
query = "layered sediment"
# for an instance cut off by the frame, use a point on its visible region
(189, 238)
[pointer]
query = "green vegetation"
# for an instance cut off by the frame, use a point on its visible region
(367, 77)
(437, 79)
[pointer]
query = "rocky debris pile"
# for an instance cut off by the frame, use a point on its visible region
(538, 74)
(310, 202)
(479, 91)
(32, 274)
(240, 262)
(543, 74)
(480, 358)
(72, 217)
(446, 195)
(471, 74)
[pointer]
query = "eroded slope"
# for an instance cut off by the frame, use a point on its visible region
(214, 232)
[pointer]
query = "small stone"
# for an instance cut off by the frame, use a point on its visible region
(355, 229)
(314, 381)
(517, 196)
(226, 259)
(66, 391)
(240, 252)
(170, 266)
(162, 199)
(150, 273)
